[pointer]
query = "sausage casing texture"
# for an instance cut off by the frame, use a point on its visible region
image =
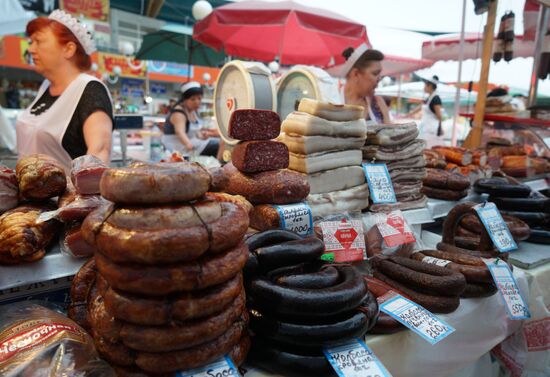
(339, 298)
(416, 274)
(477, 290)
(530, 204)
(327, 276)
(435, 304)
(81, 286)
(289, 253)
(172, 309)
(155, 183)
(166, 234)
(473, 268)
(270, 237)
(501, 187)
(148, 280)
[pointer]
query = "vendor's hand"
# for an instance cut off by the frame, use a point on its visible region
(189, 147)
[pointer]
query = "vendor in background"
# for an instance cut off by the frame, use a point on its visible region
(363, 71)
(72, 114)
(430, 123)
(183, 130)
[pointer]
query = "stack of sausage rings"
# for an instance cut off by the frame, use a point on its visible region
(298, 303)
(164, 291)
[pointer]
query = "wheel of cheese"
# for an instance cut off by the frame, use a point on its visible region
(242, 85)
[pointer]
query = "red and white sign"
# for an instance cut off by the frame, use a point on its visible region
(394, 229)
(344, 239)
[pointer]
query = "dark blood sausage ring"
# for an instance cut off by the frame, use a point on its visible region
(531, 204)
(540, 236)
(182, 307)
(501, 187)
(288, 253)
(534, 219)
(519, 229)
(166, 234)
(473, 268)
(299, 276)
(435, 304)
(263, 239)
(340, 298)
(162, 183)
(423, 276)
(309, 335)
(205, 272)
(81, 287)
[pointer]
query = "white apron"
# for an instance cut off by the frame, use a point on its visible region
(429, 124)
(173, 143)
(43, 133)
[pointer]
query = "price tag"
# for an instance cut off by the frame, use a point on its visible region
(296, 217)
(509, 291)
(416, 318)
(436, 261)
(354, 359)
(394, 229)
(381, 188)
(220, 368)
(495, 225)
(344, 241)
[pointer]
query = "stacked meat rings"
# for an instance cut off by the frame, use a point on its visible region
(398, 147)
(298, 303)
(433, 287)
(26, 195)
(258, 168)
(518, 201)
(445, 185)
(164, 290)
(325, 143)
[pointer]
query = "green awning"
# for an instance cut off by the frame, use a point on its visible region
(168, 46)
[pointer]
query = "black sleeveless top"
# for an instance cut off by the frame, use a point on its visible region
(169, 128)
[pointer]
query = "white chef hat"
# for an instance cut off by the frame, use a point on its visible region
(350, 62)
(190, 88)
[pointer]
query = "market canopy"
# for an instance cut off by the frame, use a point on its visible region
(446, 47)
(170, 46)
(13, 18)
(286, 31)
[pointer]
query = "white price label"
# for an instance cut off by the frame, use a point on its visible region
(296, 217)
(509, 291)
(436, 261)
(223, 367)
(497, 228)
(379, 181)
(416, 318)
(354, 359)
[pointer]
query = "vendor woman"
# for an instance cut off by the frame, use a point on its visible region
(72, 114)
(183, 130)
(363, 71)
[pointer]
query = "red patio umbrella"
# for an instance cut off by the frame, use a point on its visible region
(287, 31)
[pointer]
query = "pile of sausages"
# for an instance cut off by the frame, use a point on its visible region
(297, 303)
(519, 201)
(164, 291)
(399, 148)
(445, 185)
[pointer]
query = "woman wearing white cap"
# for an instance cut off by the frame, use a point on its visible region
(72, 114)
(183, 128)
(430, 124)
(363, 71)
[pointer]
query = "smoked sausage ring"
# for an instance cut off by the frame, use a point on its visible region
(204, 272)
(173, 309)
(81, 287)
(165, 234)
(145, 183)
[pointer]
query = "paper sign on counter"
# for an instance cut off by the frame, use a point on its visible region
(394, 229)
(296, 217)
(354, 359)
(495, 225)
(379, 181)
(508, 288)
(344, 241)
(436, 261)
(222, 367)
(416, 318)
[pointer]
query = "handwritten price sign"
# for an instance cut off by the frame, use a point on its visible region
(509, 291)
(379, 181)
(496, 227)
(296, 218)
(223, 367)
(354, 359)
(416, 318)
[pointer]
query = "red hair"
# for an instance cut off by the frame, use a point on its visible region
(82, 60)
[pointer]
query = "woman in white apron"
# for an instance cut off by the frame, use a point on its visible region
(430, 123)
(183, 131)
(363, 71)
(72, 113)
